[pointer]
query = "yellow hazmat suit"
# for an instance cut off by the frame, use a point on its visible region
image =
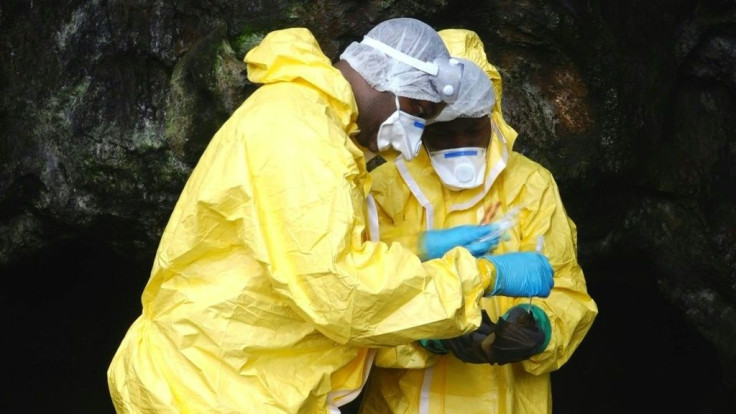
(448, 385)
(264, 295)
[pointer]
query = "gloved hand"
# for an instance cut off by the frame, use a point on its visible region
(522, 332)
(521, 274)
(435, 243)
(473, 348)
(517, 336)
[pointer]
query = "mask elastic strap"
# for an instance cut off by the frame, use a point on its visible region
(402, 57)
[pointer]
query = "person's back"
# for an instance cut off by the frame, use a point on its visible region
(265, 295)
(206, 326)
(410, 378)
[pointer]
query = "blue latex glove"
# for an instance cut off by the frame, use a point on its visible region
(522, 274)
(435, 243)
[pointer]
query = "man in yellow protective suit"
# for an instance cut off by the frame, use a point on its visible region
(265, 295)
(467, 165)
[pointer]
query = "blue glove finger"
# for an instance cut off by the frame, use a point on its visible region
(522, 274)
(435, 243)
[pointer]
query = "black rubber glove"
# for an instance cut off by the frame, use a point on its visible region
(475, 347)
(517, 338)
(513, 339)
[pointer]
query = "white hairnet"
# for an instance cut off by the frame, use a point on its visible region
(384, 73)
(476, 97)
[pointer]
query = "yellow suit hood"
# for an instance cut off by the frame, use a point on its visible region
(294, 55)
(467, 44)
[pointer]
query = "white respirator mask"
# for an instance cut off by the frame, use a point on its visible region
(460, 168)
(402, 132)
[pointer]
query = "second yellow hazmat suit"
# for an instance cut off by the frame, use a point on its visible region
(265, 296)
(411, 198)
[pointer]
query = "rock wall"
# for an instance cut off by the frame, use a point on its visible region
(107, 105)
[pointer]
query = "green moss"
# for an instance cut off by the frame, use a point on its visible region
(246, 41)
(59, 108)
(295, 10)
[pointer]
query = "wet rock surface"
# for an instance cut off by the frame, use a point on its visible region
(106, 107)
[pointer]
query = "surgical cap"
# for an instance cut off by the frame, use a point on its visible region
(384, 73)
(476, 97)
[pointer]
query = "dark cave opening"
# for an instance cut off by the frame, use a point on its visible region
(640, 355)
(70, 306)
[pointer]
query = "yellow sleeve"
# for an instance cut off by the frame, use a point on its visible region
(410, 356)
(385, 177)
(309, 198)
(570, 309)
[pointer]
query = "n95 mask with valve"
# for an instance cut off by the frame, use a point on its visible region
(402, 132)
(460, 168)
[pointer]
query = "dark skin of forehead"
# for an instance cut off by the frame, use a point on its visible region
(374, 107)
(460, 132)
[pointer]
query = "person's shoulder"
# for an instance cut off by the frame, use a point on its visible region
(286, 97)
(285, 119)
(520, 164)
